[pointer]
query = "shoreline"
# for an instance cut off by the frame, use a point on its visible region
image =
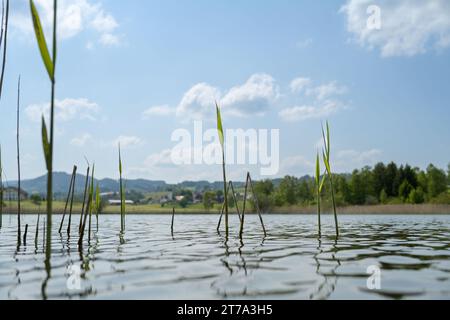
(406, 209)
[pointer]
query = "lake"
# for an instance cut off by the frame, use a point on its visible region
(407, 257)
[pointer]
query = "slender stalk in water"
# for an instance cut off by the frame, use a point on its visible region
(91, 199)
(241, 229)
(71, 200)
(36, 236)
(67, 200)
(86, 184)
(50, 65)
(222, 143)
(319, 187)
(4, 39)
(173, 220)
(1, 189)
(18, 165)
(98, 203)
(25, 236)
(122, 195)
(326, 159)
(230, 187)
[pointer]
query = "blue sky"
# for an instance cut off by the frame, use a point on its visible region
(135, 71)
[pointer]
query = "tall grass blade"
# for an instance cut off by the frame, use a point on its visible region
(42, 43)
(4, 40)
(326, 160)
(222, 142)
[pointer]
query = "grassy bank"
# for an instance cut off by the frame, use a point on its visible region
(27, 207)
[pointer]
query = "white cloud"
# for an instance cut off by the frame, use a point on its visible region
(327, 90)
(198, 102)
(408, 27)
(252, 98)
(127, 141)
(74, 17)
(162, 159)
(163, 110)
(300, 113)
(299, 84)
(65, 110)
(81, 141)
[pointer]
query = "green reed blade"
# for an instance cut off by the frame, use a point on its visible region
(46, 144)
(43, 48)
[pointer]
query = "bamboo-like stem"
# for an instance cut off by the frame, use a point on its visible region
(255, 198)
(36, 235)
(1, 189)
(230, 187)
(51, 145)
(173, 220)
(122, 196)
(225, 194)
(86, 184)
(5, 41)
(67, 200)
(318, 212)
(19, 233)
(91, 203)
(25, 236)
(241, 229)
(336, 223)
(71, 200)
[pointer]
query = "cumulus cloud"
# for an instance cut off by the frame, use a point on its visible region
(256, 97)
(65, 110)
(299, 84)
(408, 27)
(325, 91)
(252, 98)
(320, 101)
(198, 102)
(299, 113)
(163, 110)
(81, 141)
(74, 17)
(127, 141)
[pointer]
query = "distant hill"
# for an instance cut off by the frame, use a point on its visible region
(61, 182)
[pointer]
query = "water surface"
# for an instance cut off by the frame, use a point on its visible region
(412, 252)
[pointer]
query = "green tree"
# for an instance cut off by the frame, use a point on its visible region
(36, 199)
(379, 179)
(263, 191)
(305, 193)
(437, 181)
(343, 189)
(208, 200)
(357, 188)
(391, 174)
(405, 190)
(288, 190)
(416, 196)
(383, 197)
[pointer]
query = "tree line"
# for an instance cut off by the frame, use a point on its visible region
(381, 184)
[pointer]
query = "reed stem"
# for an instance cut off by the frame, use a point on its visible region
(71, 200)
(86, 184)
(25, 236)
(18, 166)
(5, 41)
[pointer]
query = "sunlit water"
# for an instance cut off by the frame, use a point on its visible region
(412, 252)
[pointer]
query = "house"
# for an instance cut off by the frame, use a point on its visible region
(11, 194)
(118, 202)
